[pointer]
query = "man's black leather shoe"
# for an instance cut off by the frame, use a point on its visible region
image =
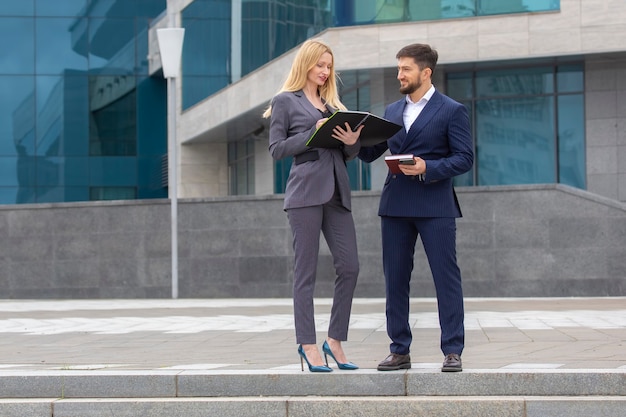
(452, 363)
(393, 362)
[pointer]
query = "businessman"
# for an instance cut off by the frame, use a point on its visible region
(421, 202)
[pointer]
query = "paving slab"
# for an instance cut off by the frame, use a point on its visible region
(258, 334)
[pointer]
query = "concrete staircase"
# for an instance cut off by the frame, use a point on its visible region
(475, 393)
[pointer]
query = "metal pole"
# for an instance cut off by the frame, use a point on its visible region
(173, 178)
(170, 41)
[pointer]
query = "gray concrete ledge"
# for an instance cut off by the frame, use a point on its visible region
(364, 383)
(504, 406)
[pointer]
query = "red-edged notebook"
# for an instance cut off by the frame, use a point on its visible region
(393, 161)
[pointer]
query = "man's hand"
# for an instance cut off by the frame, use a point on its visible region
(417, 169)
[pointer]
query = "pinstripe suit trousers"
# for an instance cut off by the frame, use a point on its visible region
(337, 225)
(439, 239)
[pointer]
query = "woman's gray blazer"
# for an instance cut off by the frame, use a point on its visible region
(310, 183)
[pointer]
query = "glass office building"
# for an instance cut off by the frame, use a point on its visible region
(80, 119)
(83, 114)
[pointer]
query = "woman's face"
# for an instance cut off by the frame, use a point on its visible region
(321, 71)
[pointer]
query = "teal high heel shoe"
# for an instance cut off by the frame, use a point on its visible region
(348, 366)
(312, 368)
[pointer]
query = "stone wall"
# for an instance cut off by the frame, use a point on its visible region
(518, 241)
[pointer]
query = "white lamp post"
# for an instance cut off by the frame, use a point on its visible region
(171, 47)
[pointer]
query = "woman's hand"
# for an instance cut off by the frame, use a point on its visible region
(347, 136)
(320, 122)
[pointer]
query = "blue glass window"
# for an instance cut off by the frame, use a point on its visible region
(354, 12)
(17, 8)
(515, 141)
(152, 179)
(571, 120)
(460, 85)
(151, 117)
(141, 47)
(206, 49)
(18, 42)
(514, 82)
(488, 7)
(111, 46)
(528, 124)
(113, 121)
(8, 195)
(60, 8)
(112, 193)
(54, 52)
(569, 78)
(16, 171)
(112, 171)
(59, 171)
(241, 167)
(17, 115)
(62, 115)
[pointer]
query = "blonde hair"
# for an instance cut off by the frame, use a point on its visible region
(307, 57)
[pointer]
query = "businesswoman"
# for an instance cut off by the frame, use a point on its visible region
(317, 197)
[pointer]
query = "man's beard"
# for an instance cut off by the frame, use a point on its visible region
(411, 87)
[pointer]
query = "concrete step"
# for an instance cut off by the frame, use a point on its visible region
(449, 406)
(366, 392)
(267, 383)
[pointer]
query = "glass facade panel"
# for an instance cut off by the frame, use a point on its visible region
(460, 85)
(62, 115)
(571, 119)
(241, 167)
(59, 171)
(65, 194)
(515, 82)
(12, 170)
(113, 171)
(359, 12)
(151, 177)
(151, 117)
(113, 124)
(525, 131)
(17, 115)
(489, 7)
(271, 28)
(53, 46)
(570, 78)
(112, 193)
(60, 8)
(8, 195)
(206, 49)
(141, 47)
(17, 8)
(18, 43)
(515, 141)
(112, 46)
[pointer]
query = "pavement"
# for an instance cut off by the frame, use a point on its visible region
(257, 335)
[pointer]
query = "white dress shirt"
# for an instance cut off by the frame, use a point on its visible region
(412, 110)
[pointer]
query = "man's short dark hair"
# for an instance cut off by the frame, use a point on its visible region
(423, 55)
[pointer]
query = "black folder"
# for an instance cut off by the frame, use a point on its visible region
(375, 130)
